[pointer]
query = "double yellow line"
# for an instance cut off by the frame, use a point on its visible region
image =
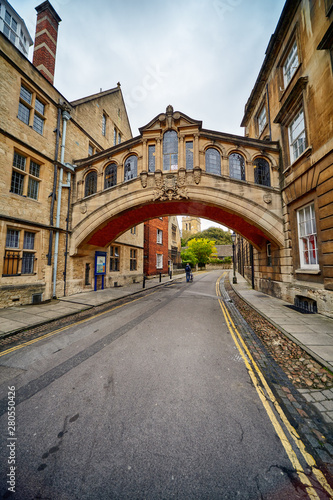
(269, 399)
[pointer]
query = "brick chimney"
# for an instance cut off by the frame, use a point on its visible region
(46, 40)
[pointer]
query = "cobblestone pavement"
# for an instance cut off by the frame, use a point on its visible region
(304, 388)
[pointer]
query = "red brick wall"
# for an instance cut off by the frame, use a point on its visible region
(151, 247)
(42, 56)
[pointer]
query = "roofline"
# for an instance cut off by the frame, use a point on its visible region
(92, 97)
(196, 122)
(283, 24)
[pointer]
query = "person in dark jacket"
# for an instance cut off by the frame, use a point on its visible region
(188, 272)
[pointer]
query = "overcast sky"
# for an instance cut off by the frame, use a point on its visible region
(200, 56)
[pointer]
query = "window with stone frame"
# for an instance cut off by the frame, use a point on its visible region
(307, 237)
(269, 254)
(110, 176)
(213, 161)
(114, 258)
(297, 135)
(237, 166)
(262, 172)
(133, 230)
(25, 179)
(90, 183)
(31, 110)
(159, 236)
(133, 259)
(151, 158)
(159, 261)
(20, 252)
(131, 168)
(189, 155)
(104, 124)
(290, 63)
(170, 150)
(114, 136)
(261, 120)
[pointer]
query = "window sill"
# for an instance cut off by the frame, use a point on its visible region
(306, 152)
(308, 271)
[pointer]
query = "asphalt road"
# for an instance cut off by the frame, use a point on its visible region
(149, 401)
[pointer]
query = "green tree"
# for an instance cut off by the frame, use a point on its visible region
(202, 249)
(188, 256)
(220, 236)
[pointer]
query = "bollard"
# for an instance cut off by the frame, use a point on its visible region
(160, 277)
(144, 281)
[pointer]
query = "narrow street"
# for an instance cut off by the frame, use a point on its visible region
(155, 399)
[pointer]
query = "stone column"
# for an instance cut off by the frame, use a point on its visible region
(196, 159)
(249, 171)
(181, 155)
(225, 166)
(158, 155)
(144, 155)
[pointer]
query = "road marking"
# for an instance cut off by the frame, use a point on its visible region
(47, 335)
(248, 360)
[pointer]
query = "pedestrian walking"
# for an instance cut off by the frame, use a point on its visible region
(188, 272)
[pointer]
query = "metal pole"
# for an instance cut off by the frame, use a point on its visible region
(234, 280)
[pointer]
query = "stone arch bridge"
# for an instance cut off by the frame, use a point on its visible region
(175, 167)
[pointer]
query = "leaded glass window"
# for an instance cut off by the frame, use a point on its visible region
(131, 167)
(170, 150)
(151, 158)
(213, 161)
(29, 240)
(34, 168)
(237, 166)
(91, 184)
(12, 238)
(110, 176)
(19, 161)
(17, 183)
(33, 186)
(262, 172)
(23, 113)
(189, 155)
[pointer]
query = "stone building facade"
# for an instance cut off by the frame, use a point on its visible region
(292, 102)
(41, 134)
(190, 226)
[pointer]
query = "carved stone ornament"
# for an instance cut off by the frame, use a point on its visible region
(170, 186)
(83, 208)
(144, 178)
(197, 174)
(267, 198)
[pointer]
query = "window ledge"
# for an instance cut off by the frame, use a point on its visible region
(308, 271)
(306, 152)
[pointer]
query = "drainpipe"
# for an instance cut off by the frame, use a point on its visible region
(269, 113)
(65, 117)
(53, 194)
(67, 226)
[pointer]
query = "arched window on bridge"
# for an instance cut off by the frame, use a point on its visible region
(131, 168)
(213, 161)
(237, 166)
(110, 176)
(262, 174)
(170, 150)
(90, 184)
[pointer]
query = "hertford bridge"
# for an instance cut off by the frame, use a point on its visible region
(175, 167)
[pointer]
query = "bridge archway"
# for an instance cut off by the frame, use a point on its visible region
(154, 187)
